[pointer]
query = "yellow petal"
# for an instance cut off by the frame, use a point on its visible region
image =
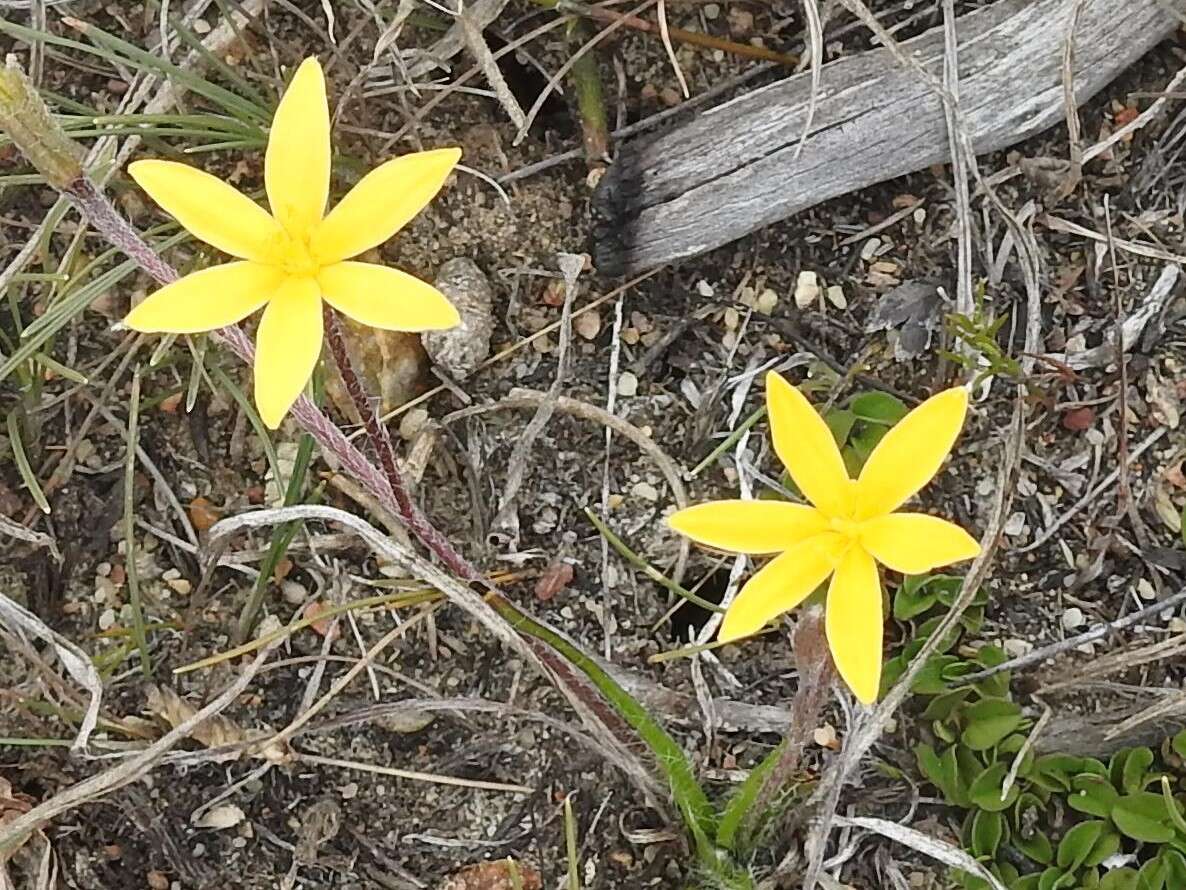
(385, 298)
(210, 209)
(854, 623)
(205, 300)
(913, 543)
(807, 448)
(287, 347)
(382, 203)
(296, 166)
(911, 453)
(749, 526)
(782, 584)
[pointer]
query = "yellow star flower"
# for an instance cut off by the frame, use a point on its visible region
(849, 529)
(297, 255)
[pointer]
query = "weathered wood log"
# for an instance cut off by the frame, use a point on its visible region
(733, 169)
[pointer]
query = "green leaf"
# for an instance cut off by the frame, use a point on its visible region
(930, 679)
(945, 704)
(1054, 879)
(878, 407)
(1107, 846)
(1152, 875)
(1077, 844)
(913, 597)
(689, 796)
(840, 421)
(1174, 864)
(986, 789)
(988, 829)
(1179, 744)
(742, 801)
(1136, 768)
(1143, 817)
(1055, 771)
(1093, 795)
(1037, 847)
(989, 721)
(1119, 879)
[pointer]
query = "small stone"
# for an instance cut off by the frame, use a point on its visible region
(1015, 648)
(704, 288)
(349, 791)
(766, 301)
(669, 96)
(459, 350)
(412, 422)
(587, 325)
(293, 592)
(807, 289)
(1145, 589)
(646, 491)
(741, 21)
(1015, 524)
(732, 318)
(869, 249)
(627, 384)
(220, 818)
(157, 880)
(180, 585)
(712, 11)
(1073, 618)
(107, 619)
(836, 297)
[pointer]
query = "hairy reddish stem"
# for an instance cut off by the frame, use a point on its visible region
(406, 508)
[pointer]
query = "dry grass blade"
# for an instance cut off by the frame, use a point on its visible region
(41, 539)
(13, 833)
(465, 597)
(472, 33)
(815, 35)
(17, 620)
(941, 851)
(505, 524)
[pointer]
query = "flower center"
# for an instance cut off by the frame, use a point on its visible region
(848, 528)
(297, 259)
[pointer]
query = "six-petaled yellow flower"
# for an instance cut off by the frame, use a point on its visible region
(297, 255)
(849, 528)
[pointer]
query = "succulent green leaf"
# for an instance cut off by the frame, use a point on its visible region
(1077, 844)
(1143, 817)
(988, 830)
(989, 721)
(1093, 795)
(986, 789)
(1136, 768)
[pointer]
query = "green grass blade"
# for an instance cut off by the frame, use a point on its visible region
(22, 462)
(645, 567)
(689, 797)
(282, 536)
(738, 808)
(58, 315)
(220, 377)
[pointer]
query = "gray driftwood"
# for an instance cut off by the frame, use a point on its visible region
(733, 169)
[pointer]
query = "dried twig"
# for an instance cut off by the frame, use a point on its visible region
(1097, 632)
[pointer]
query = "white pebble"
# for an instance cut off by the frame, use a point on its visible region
(1073, 618)
(627, 384)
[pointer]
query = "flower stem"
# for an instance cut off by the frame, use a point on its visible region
(377, 432)
(816, 670)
